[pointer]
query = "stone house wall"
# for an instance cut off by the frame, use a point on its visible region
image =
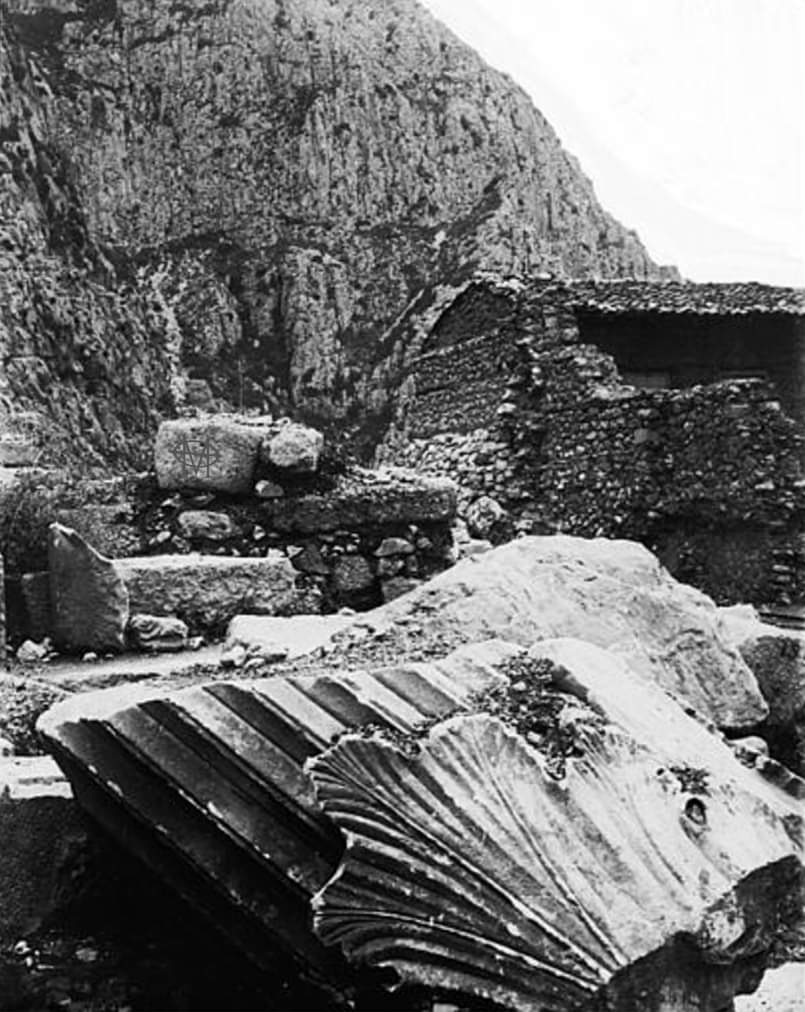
(710, 477)
(354, 541)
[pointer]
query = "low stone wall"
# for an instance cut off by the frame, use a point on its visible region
(245, 486)
(362, 540)
(710, 477)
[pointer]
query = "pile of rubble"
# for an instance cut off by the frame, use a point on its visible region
(550, 777)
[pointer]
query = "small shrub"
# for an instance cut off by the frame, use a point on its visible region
(338, 456)
(26, 511)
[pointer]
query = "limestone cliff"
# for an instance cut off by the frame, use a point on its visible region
(252, 193)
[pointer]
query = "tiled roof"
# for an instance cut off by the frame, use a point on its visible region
(709, 298)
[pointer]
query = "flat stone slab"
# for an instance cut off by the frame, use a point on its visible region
(274, 638)
(11, 477)
(365, 498)
(218, 454)
(206, 591)
(166, 669)
(23, 778)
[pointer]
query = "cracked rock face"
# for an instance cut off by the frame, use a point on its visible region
(274, 182)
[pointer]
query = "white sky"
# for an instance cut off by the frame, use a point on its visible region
(688, 116)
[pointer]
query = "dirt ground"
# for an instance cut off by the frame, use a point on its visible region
(127, 944)
(26, 690)
(130, 946)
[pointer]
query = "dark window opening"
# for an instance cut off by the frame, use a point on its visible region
(658, 351)
(656, 379)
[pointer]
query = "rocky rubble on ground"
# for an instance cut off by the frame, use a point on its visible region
(631, 705)
(243, 513)
(422, 767)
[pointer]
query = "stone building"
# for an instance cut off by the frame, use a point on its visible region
(675, 335)
(664, 411)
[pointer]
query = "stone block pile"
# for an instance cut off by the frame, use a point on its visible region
(710, 477)
(244, 515)
(221, 453)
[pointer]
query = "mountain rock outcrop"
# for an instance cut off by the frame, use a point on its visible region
(238, 202)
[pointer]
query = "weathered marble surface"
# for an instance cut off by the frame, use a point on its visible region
(611, 593)
(88, 597)
(557, 871)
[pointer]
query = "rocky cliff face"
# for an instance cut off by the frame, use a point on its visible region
(253, 194)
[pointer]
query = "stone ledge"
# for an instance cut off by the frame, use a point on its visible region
(44, 841)
(208, 590)
(386, 498)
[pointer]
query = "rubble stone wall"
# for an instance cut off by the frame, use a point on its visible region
(354, 541)
(476, 374)
(710, 477)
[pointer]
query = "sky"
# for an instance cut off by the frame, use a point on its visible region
(688, 116)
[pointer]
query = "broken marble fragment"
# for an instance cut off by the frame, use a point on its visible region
(274, 638)
(207, 784)
(777, 659)
(89, 598)
(157, 633)
(612, 593)
(296, 448)
(474, 865)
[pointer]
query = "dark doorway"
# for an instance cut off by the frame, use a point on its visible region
(656, 350)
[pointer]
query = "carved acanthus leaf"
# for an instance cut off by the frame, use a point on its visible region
(469, 867)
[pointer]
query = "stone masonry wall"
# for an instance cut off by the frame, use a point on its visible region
(355, 539)
(710, 477)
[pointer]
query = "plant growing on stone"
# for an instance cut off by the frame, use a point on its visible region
(27, 509)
